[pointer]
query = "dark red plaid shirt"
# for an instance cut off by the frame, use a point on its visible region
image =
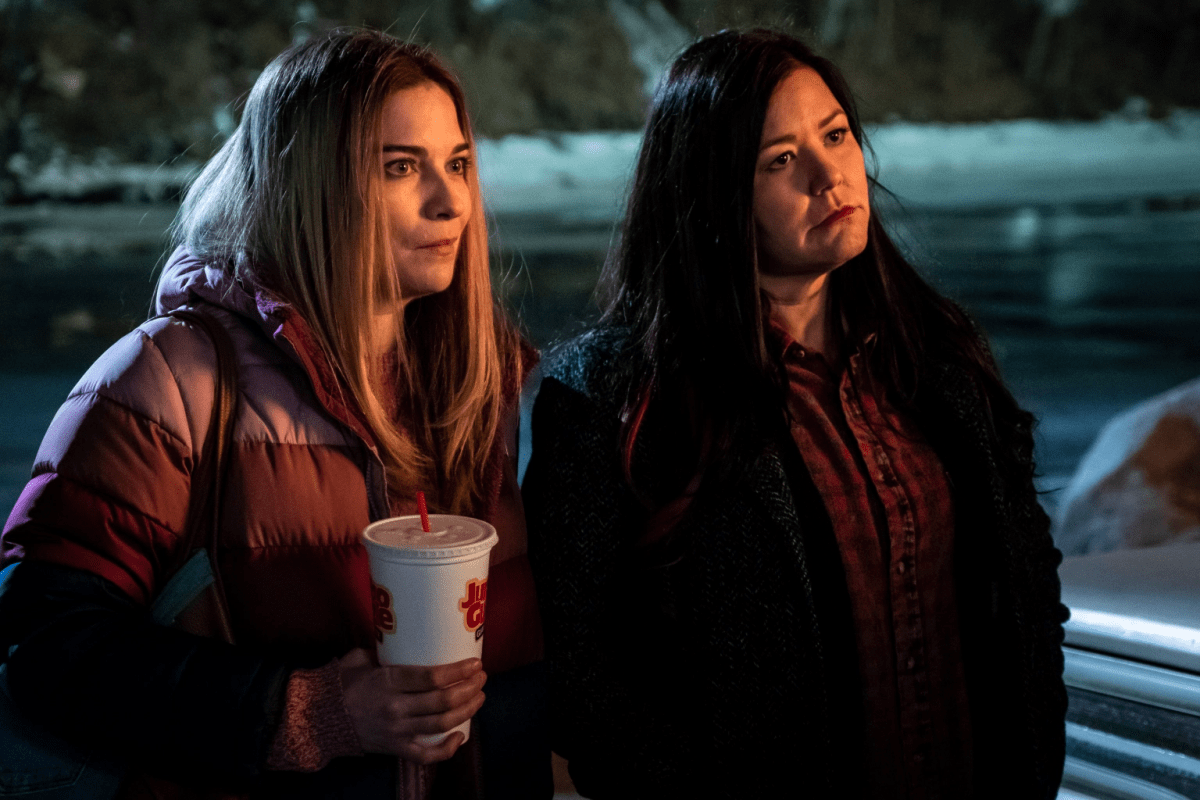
(889, 501)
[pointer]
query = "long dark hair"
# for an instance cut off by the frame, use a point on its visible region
(684, 280)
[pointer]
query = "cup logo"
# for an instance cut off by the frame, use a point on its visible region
(472, 606)
(381, 606)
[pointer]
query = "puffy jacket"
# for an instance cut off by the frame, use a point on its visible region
(109, 497)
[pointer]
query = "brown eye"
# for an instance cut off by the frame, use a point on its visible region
(838, 136)
(399, 168)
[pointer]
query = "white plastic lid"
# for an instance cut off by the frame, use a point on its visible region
(450, 537)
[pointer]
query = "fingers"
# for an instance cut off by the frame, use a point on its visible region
(441, 700)
(429, 754)
(433, 712)
(442, 721)
(405, 678)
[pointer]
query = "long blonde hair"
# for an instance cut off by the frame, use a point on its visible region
(292, 205)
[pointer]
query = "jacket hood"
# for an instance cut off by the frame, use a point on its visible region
(186, 279)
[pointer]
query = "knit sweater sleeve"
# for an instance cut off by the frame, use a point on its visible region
(581, 518)
(994, 454)
(315, 727)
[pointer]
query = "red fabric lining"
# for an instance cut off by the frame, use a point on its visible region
(324, 381)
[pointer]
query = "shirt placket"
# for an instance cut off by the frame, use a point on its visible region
(912, 677)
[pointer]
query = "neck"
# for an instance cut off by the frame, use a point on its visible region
(800, 303)
(383, 332)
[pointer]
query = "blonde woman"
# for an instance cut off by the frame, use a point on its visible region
(338, 238)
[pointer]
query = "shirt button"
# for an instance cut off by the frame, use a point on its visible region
(900, 568)
(912, 663)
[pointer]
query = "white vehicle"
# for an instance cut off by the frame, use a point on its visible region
(1132, 669)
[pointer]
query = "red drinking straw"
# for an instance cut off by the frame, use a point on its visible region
(423, 511)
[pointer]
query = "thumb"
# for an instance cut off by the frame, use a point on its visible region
(358, 657)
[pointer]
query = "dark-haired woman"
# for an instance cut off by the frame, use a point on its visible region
(338, 240)
(782, 517)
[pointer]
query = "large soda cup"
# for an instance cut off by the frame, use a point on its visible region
(429, 590)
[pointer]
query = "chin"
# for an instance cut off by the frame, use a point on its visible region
(418, 293)
(852, 249)
(432, 280)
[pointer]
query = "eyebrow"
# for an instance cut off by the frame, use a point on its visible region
(421, 151)
(788, 137)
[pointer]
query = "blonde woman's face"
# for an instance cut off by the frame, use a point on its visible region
(424, 159)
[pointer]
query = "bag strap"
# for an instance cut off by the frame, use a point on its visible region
(204, 509)
(187, 584)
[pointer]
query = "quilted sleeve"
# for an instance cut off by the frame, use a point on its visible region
(110, 485)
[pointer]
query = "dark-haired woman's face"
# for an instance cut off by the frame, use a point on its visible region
(811, 204)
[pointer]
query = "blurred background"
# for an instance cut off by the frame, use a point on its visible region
(1045, 155)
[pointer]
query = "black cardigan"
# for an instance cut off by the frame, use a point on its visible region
(723, 665)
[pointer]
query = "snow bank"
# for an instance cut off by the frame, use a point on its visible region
(585, 176)
(1023, 162)
(65, 177)
(577, 176)
(1036, 162)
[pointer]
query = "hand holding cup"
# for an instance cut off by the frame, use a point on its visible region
(396, 709)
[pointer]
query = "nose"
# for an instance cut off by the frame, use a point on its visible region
(822, 172)
(447, 197)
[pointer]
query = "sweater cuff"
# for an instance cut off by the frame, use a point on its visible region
(316, 727)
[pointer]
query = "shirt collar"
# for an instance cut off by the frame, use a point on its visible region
(781, 344)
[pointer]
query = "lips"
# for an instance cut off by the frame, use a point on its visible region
(438, 244)
(837, 215)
